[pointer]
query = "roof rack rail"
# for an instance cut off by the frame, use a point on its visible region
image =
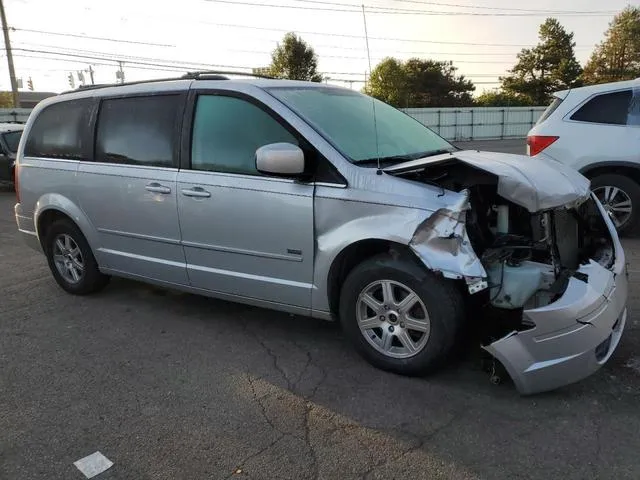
(220, 75)
(108, 85)
(197, 75)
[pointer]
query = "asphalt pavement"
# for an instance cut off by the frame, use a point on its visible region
(174, 386)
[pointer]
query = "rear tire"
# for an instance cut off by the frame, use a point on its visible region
(363, 304)
(617, 193)
(71, 260)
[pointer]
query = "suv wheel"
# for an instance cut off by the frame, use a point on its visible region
(399, 316)
(620, 197)
(71, 261)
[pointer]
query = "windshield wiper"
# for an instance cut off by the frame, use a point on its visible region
(403, 158)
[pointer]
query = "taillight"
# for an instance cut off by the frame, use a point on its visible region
(537, 143)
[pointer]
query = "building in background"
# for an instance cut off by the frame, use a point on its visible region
(31, 99)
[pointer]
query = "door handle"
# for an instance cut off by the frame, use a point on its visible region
(195, 192)
(155, 187)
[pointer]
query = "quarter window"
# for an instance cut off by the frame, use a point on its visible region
(227, 131)
(61, 131)
(609, 108)
(138, 130)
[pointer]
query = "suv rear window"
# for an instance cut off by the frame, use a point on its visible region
(60, 131)
(550, 109)
(608, 108)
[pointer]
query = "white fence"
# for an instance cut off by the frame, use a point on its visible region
(451, 123)
(478, 122)
(14, 115)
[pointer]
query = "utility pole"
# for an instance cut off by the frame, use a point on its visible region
(91, 75)
(120, 72)
(7, 45)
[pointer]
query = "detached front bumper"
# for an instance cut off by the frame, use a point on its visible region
(573, 337)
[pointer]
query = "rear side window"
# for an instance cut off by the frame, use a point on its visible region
(138, 130)
(61, 131)
(227, 131)
(550, 109)
(12, 139)
(609, 108)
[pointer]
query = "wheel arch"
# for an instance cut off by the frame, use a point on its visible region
(52, 207)
(354, 254)
(629, 169)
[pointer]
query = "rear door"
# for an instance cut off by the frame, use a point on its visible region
(129, 190)
(605, 128)
(244, 234)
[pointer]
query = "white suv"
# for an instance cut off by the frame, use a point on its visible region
(596, 130)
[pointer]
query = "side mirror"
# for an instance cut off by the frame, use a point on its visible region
(284, 159)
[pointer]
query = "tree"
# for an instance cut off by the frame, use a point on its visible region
(548, 67)
(6, 100)
(500, 98)
(419, 83)
(618, 56)
(294, 59)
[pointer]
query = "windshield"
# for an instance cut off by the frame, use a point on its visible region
(12, 139)
(345, 118)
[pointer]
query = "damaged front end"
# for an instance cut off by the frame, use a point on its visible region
(539, 256)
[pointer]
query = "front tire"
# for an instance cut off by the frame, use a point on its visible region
(620, 197)
(399, 316)
(71, 260)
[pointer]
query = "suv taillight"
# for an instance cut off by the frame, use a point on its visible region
(537, 143)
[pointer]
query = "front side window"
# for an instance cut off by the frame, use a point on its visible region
(362, 128)
(60, 131)
(138, 130)
(227, 131)
(609, 108)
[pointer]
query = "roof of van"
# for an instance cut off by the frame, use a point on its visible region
(177, 82)
(601, 87)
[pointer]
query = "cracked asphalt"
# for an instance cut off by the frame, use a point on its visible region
(174, 386)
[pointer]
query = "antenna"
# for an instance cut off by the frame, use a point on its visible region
(373, 102)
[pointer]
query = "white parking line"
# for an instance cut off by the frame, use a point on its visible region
(93, 464)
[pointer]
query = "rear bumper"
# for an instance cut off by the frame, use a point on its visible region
(27, 229)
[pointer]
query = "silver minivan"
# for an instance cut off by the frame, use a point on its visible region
(323, 202)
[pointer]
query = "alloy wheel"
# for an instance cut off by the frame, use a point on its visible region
(616, 203)
(67, 258)
(393, 319)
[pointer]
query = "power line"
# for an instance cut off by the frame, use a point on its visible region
(173, 19)
(90, 37)
(322, 55)
(481, 7)
(351, 8)
(170, 64)
(346, 35)
(116, 57)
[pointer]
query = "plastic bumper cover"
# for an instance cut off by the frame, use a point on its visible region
(573, 336)
(27, 229)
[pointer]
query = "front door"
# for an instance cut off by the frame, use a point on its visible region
(129, 191)
(244, 234)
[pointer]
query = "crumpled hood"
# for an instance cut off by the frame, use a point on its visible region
(535, 184)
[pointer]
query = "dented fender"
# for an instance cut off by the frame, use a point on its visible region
(442, 243)
(437, 237)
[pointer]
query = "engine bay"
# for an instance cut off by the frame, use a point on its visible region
(529, 257)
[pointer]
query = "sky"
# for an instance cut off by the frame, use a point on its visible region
(158, 38)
